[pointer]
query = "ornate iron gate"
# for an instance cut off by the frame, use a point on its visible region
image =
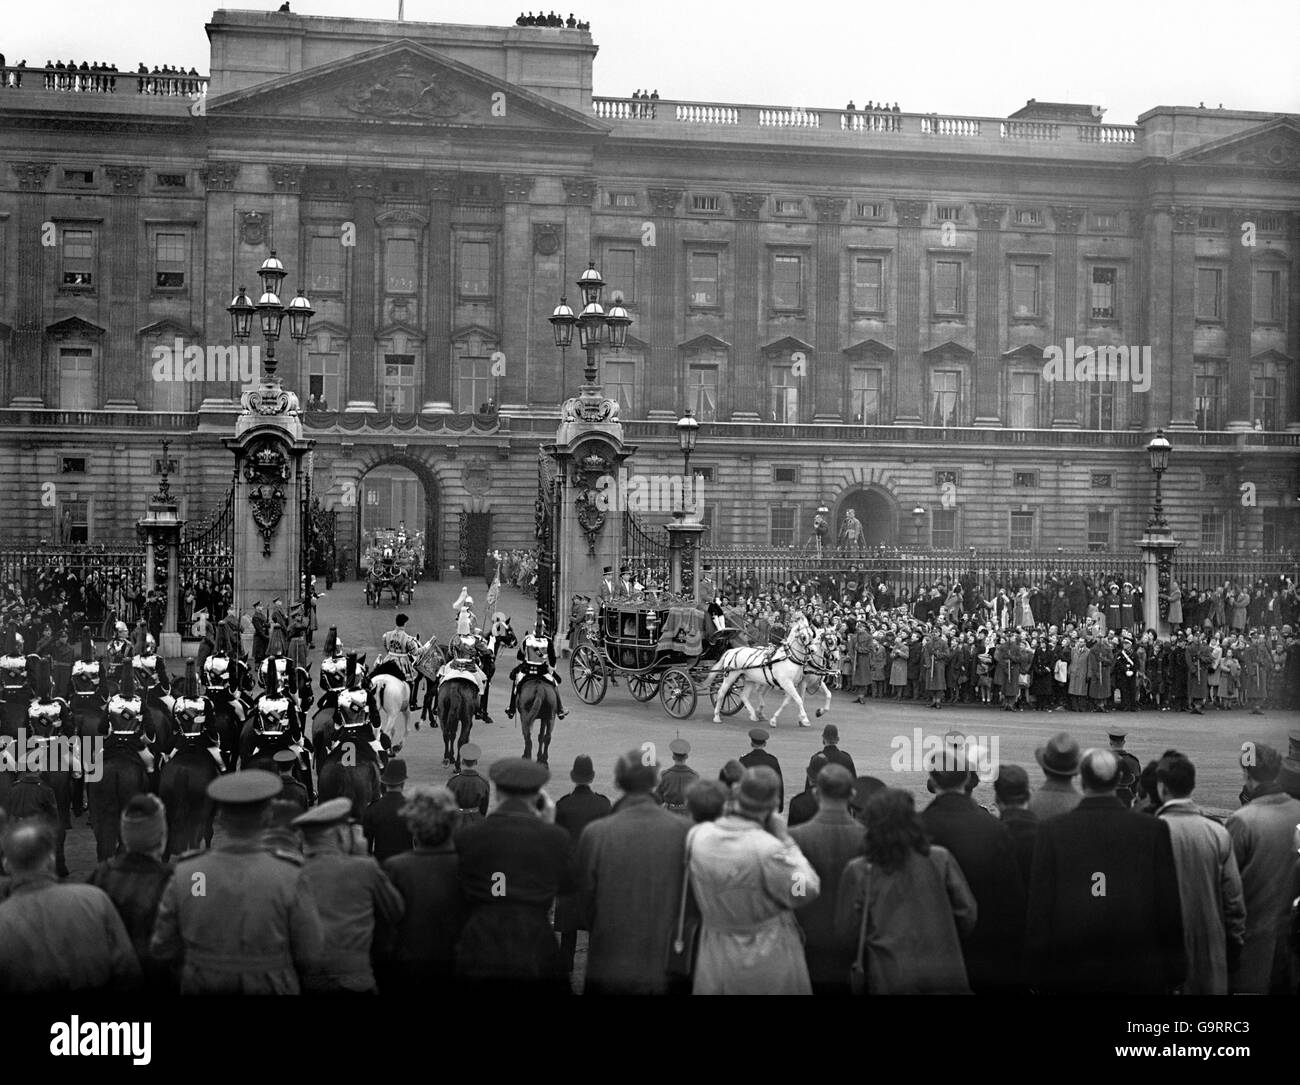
(105, 581)
(207, 567)
(475, 534)
(545, 524)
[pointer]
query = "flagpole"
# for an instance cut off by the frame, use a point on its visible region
(401, 11)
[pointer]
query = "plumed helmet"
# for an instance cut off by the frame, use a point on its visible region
(271, 683)
(352, 671)
(87, 646)
(190, 690)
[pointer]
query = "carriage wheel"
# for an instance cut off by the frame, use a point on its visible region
(643, 686)
(677, 692)
(587, 673)
(734, 702)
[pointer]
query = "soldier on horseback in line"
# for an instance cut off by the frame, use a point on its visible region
(126, 719)
(14, 683)
(275, 724)
(467, 651)
(334, 663)
(120, 649)
(193, 714)
(400, 648)
(150, 671)
(536, 660)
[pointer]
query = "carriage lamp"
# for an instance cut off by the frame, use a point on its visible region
(272, 274)
(241, 310)
(271, 313)
(300, 314)
(918, 516)
(562, 322)
(1158, 451)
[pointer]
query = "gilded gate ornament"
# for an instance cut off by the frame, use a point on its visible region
(266, 470)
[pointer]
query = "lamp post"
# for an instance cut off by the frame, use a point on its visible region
(918, 517)
(1158, 451)
(591, 323)
(271, 314)
(688, 431)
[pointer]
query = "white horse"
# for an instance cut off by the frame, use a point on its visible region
(760, 668)
(392, 695)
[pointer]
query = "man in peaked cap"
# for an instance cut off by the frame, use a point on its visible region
(759, 756)
(280, 932)
(1130, 768)
(387, 832)
(677, 778)
(470, 789)
(353, 895)
(831, 748)
(512, 865)
(293, 789)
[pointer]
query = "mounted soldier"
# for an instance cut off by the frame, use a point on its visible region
(352, 753)
(17, 687)
(127, 719)
(399, 648)
(150, 671)
(193, 713)
(334, 663)
(119, 649)
(275, 724)
(536, 660)
(292, 680)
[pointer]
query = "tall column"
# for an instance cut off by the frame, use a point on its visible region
(437, 332)
(1065, 309)
(1182, 316)
(362, 393)
(1240, 321)
(218, 179)
(908, 378)
(663, 380)
(828, 367)
(516, 318)
(29, 313)
(988, 313)
(747, 380)
(1291, 405)
(1156, 244)
(121, 365)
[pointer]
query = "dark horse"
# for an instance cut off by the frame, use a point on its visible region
(349, 767)
(122, 778)
(183, 783)
(537, 701)
(457, 706)
(226, 689)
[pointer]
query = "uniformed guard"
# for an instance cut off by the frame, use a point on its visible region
(333, 664)
(469, 788)
(126, 718)
(512, 865)
(278, 933)
(274, 724)
(120, 649)
(150, 671)
(536, 660)
(352, 893)
(193, 715)
(400, 648)
(1130, 768)
(759, 756)
(293, 789)
(671, 789)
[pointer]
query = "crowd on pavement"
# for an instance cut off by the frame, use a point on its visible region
(1118, 884)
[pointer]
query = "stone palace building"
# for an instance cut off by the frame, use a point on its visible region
(862, 308)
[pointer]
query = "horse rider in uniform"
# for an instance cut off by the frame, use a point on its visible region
(275, 718)
(536, 660)
(279, 933)
(673, 782)
(470, 790)
(354, 896)
(89, 692)
(467, 649)
(120, 648)
(49, 718)
(400, 648)
(194, 715)
(334, 663)
(126, 718)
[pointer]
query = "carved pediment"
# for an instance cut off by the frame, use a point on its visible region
(169, 328)
(950, 347)
(1026, 352)
(1271, 355)
(704, 343)
(398, 327)
(74, 327)
(787, 344)
(1272, 145)
(403, 82)
(868, 348)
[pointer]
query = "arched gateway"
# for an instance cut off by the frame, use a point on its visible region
(875, 509)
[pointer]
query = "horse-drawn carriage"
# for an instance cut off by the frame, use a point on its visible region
(391, 565)
(665, 647)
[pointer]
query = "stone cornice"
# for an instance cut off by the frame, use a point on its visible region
(31, 175)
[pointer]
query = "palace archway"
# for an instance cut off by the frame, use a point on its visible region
(877, 511)
(393, 493)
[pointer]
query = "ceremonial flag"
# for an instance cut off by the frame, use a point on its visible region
(494, 592)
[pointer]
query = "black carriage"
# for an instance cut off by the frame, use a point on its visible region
(662, 648)
(390, 565)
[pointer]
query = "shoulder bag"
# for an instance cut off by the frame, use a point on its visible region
(686, 934)
(858, 970)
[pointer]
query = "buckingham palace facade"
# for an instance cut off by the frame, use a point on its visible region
(862, 308)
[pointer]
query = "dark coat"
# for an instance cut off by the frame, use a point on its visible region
(512, 867)
(803, 808)
(836, 756)
(761, 757)
(1123, 936)
(629, 868)
(1022, 824)
(573, 813)
(421, 951)
(135, 884)
(386, 832)
(828, 842)
(984, 850)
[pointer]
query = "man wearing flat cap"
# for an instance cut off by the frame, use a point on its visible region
(353, 895)
(279, 934)
(512, 865)
(676, 779)
(759, 756)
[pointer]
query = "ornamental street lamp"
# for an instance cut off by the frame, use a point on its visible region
(918, 517)
(688, 430)
(591, 323)
(270, 313)
(1158, 451)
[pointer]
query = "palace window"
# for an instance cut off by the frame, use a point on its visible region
(1024, 480)
(948, 212)
(400, 273)
(1268, 296)
(72, 465)
(706, 203)
(399, 383)
(1206, 395)
(1281, 529)
(784, 525)
(76, 379)
(74, 520)
(1100, 397)
(621, 199)
(1209, 220)
(868, 209)
(1263, 401)
(943, 529)
(172, 180)
(473, 382)
(620, 275)
(784, 402)
(1209, 293)
(171, 258)
(1104, 295)
(1101, 480)
(1025, 290)
(702, 391)
(1022, 531)
(1029, 217)
(789, 207)
(787, 282)
(620, 384)
(1099, 529)
(948, 295)
(868, 284)
(1105, 221)
(1212, 532)
(475, 276)
(787, 474)
(1023, 413)
(79, 258)
(324, 380)
(865, 392)
(705, 283)
(325, 264)
(945, 398)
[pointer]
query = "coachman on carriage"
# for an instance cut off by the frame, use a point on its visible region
(392, 568)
